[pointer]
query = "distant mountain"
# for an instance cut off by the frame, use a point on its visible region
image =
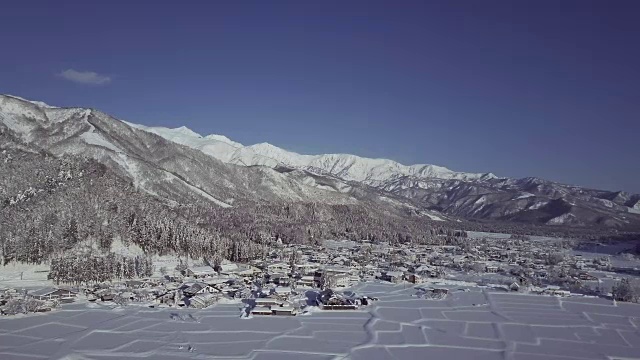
(175, 173)
(466, 195)
(348, 167)
(181, 166)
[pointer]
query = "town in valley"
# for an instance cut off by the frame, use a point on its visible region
(295, 279)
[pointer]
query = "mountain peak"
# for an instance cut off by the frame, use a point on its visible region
(266, 145)
(186, 131)
(223, 139)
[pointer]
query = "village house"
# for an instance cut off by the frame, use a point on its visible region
(285, 309)
(369, 269)
(63, 295)
(393, 276)
(200, 272)
(278, 267)
(340, 260)
(202, 301)
(167, 298)
(198, 288)
(336, 270)
(247, 271)
(414, 278)
(261, 310)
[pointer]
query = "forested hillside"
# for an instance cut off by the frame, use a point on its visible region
(54, 207)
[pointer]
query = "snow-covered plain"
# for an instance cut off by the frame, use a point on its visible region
(472, 324)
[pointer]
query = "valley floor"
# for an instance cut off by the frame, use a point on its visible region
(470, 323)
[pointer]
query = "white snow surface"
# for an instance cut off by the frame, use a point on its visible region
(562, 219)
(96, 139)
(434, 217)
(217, 146)
(13, 114)
(24, 116)
(348, 167)
(475, 324)
(171, 178)
(524, 196)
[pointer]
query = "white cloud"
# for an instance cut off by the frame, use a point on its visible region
(84, 77)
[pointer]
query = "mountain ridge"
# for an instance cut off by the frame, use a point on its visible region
(183, 166)
(285, 157)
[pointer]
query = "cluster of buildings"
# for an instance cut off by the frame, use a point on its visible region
(14, 302)
(291, 278)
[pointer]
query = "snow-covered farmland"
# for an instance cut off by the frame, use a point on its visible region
(469, 323)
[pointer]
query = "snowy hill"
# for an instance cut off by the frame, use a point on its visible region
(469, 195)
(184, 167)
(163, 168)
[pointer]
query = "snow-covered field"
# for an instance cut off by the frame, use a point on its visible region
(24, 276)
(470, 324)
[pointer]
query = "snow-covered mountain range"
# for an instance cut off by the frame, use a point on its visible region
(182, 166)
(345, 166)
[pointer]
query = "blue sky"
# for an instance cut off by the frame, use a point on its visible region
(528, 88)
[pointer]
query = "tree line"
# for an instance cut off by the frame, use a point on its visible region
(82, 269)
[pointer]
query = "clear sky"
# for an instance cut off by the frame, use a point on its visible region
(520, 88)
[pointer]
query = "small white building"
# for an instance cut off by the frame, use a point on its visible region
(261, 310)
(285, 309)
(278, 267)
(200, 272)
(198, 289)
(393, 276)
(202, 301)
(53, 293)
